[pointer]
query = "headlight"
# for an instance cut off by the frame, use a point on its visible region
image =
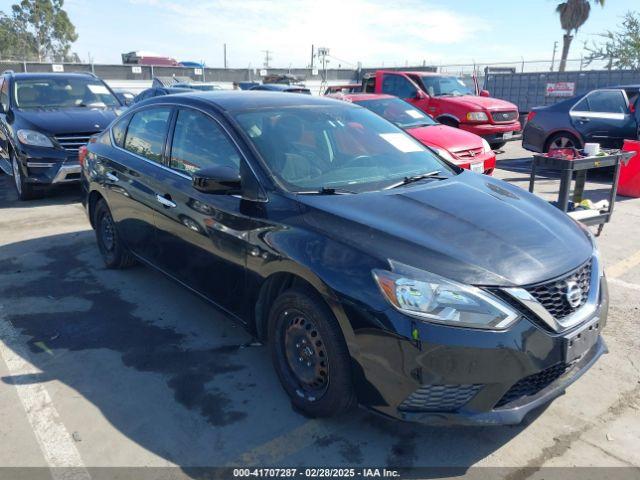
(31, 137)
(486, 147)
(433, 298)
(444, 154)
(477, 117)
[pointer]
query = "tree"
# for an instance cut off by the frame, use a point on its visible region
(37, 29)
(573, 14)
(621, 49)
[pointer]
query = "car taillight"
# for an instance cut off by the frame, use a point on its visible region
(82, 154)
(530, 116)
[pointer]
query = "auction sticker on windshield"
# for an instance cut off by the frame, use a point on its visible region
(402, 142)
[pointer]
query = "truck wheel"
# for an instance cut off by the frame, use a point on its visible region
(310, 355)
(114, 254)
(24, 190)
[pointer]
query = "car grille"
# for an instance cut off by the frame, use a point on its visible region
(439, 398)
(73, 141)
(533, 384)
(500, 117)
(552, 294)
(469, 154)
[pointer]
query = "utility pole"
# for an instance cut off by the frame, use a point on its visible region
(225, 55)
(553, 57)
(323, 52)
(267, 58)
(312, 55)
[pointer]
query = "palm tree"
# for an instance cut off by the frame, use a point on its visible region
(573, 14)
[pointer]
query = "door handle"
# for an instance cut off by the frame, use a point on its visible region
(164, 201)
(110, 176)
(583, 120)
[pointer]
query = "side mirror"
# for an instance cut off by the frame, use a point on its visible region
(420, 95)
(484, 93)
(217, 180)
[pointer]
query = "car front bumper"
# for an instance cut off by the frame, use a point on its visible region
(439, 374)
(494, 133)
(47, 167)
(514, 413)
(488, 162)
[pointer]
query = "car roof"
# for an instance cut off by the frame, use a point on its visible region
(630, 87)
(279, 87)
(419, 73)
(357, 97)
(230, 100)
(30, 76)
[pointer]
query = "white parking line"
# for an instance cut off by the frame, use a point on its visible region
(622, 283)
(56, 444)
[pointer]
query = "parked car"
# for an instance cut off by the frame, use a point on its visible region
(461, 148)
(203, 86)
(44, 119)
(377, 273)
(159, 92)
(606, 116)
(125, 96)
(348, 88)
(279, 87)
(449, 101)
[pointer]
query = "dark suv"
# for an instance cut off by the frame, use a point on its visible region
(355, 251)
(44, 119)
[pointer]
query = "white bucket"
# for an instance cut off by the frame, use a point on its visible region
(591, 149)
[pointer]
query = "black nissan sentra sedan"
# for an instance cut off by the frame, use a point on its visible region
(377, 273)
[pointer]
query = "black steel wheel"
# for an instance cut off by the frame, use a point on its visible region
(306, 354)
(310, 354)
(114, 253)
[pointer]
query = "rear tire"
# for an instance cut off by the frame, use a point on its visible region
(24, 190)
(562, 140)
(310, 355)
(114, 253)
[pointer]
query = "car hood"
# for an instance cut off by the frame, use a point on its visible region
(470, 228)
(68, 120)
(449, 138)
(480, 103)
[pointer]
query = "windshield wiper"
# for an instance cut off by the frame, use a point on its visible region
(416, 178)
(327, 191)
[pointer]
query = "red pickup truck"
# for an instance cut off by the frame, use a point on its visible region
(448, 100)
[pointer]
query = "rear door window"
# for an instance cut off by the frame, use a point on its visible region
(199, 142)
(147, 132)
(119, 130)
(4, 93)
(607, 101)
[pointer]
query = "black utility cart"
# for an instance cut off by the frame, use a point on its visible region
(581, 166)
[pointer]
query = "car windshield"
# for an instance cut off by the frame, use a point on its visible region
(314, 148)
(62, 92)
(437, 86)
(398, 112)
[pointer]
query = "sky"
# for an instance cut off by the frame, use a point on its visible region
(374, 32)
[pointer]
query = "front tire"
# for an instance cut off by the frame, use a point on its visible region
(497, 145)
(114, 253)
(310, 355)
(24, 190)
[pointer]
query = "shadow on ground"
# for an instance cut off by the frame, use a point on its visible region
(177, 378)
